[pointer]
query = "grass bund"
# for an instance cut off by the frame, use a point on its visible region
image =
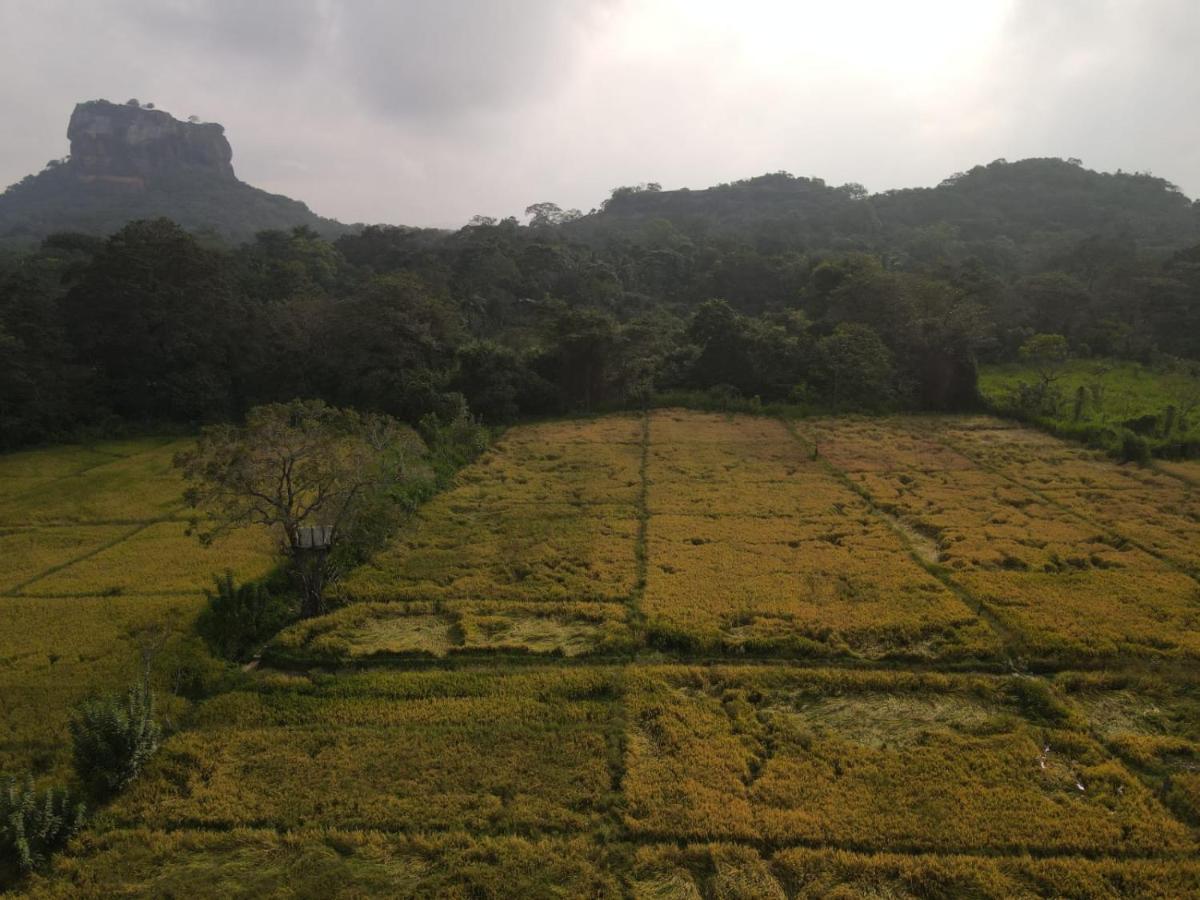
(672, 655)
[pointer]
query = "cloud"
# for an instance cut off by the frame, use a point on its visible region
(440, 60)
(281, 32)
(429, 111)
(1113, 83)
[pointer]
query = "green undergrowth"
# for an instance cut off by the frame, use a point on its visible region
(1125, 408)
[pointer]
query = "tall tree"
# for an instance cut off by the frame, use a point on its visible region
(155, 315)
(298, 466)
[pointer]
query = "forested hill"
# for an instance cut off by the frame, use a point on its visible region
(1016, 215)
(772, 289)
(129, 162)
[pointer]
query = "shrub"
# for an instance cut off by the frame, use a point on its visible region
(454, 438)
(241, 618)
(113, 738)
(1134, 448)
(33, 825)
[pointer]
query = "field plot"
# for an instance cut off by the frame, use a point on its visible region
(329, 863)
(1157, 511)
(670, 656)
(119, 490)
(1152, 724)
(731, 870)
(159, 558)
(879, 761)
(382, 631)
(528, 753)
(534, 550)
(461, 548)
(96, 572)
(1067, 585)
(1187, 470)
(56, 651)
(754, 546)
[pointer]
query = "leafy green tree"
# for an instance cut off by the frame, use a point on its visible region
(1056, 303)
(855, 368)
(1046, 354)
(542, 215)
(155, 315)
(724, 356)
(500, 384)
(578, 354)
(279, 265)
(389, 348)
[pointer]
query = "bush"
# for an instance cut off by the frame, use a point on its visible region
(454, 438)
(32, 826)
(240, 619)
(1134, 448)
(114, 738)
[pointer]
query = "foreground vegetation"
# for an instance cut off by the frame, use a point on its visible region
(676, 654)
(98, 578)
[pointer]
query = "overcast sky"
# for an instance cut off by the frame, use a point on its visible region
(427, 112)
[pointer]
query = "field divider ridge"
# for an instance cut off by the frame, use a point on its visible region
(1108, 531)
(1009, 640)
(15, 590)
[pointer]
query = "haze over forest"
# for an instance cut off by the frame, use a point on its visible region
(428, 114)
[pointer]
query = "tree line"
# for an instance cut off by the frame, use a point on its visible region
(157, 326)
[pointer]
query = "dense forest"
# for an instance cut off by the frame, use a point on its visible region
(778, 288)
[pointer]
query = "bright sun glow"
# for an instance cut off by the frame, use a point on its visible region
(916, 42)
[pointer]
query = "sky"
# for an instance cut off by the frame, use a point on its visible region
(428, 112)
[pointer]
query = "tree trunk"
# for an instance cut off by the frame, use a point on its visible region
(308, 568)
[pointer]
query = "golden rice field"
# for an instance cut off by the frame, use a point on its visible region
(679, 655)
(96, 576)
(1076, 557)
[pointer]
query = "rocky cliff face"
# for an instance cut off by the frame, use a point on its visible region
(130, 145)
(129, 163)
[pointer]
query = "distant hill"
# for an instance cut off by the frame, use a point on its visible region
(1046, 202)
(132, 162)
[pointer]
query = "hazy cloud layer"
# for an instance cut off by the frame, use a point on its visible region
(429, 112)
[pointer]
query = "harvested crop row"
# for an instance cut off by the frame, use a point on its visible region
(879, 762)
(796, 565)
(492, 753)
(1070, 589)
(548, 515)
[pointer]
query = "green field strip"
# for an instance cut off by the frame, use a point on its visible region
(84, 594)
(17, 589)
(159, 443)
(51, 524)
